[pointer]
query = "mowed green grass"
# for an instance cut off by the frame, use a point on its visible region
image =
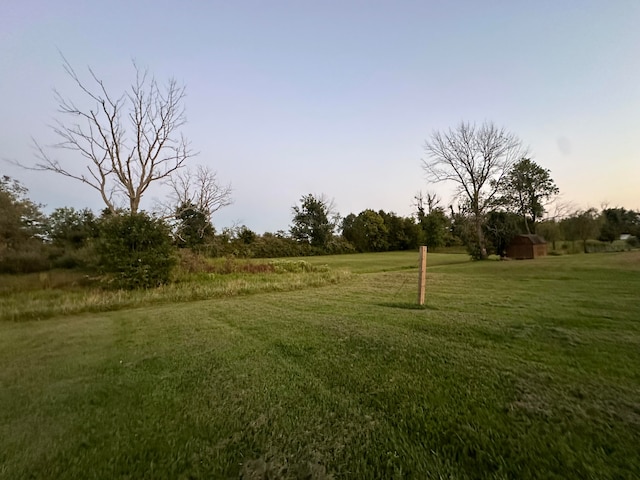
(527, 369)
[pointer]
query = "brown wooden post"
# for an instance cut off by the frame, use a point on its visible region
(422, 278)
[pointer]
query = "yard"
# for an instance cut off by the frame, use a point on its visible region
(520, 369)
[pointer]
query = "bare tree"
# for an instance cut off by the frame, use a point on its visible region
(477, 160)
(126, 143)
(432, 201)
(198, 189)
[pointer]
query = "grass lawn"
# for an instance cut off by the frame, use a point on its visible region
(522, 369)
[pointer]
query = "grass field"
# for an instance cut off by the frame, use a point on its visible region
(523, 369)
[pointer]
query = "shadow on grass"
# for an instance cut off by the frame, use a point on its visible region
(407, 306)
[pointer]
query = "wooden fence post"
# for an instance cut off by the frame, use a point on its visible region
(422, 278)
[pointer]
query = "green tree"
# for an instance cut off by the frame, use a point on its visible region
(68, 227)
(616, 221)
(402, 233)
(193, 227)
(22, 228)
(367, 231)
(313, 221)
(550, 230)
(246, 235)
(72, 234)
(435, 228)
(476, 159)
(582, 225)
(135, 251)
(526, 190)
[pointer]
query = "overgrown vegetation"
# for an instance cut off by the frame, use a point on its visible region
(63, 292)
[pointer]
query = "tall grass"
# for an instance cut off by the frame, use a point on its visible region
(45, 295)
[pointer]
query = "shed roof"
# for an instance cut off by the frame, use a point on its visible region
(534, 239)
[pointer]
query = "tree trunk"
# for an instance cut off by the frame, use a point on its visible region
(480, 238)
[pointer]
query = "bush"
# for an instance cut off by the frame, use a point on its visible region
(29, 258)
(596, 246)
(633, 242)
(72, 257)
(135, 251)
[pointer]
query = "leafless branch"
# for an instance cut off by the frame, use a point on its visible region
(127, 142)
(200, 189)
(475, 159)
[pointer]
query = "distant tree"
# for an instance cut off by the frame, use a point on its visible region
(582, 225)
(192, 227)
(246, 235)
(550, 230)
(476, 159)
(526, 190)
(435, 228)
(425, 203)
(366, 231)
(22, 229)
(124, 142)
(314, 221)
(402, 233)
(197, 189)
(72, 234)
(616, 221)
(73, 228)
(21, 219)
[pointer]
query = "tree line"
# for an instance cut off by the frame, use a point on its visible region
(124, 241)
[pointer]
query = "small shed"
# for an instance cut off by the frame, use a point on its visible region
(527, 246)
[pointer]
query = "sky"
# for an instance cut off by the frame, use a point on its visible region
(337, 98)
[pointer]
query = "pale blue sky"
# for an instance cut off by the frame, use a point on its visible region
(287, 98)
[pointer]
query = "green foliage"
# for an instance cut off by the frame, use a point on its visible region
(246, 235)
(617, 221)
(193, 227)
(582, 225)
(135, 251)
(597, 246)
(367, 231)
(72, 234)
(339, 245)
(463, 230)
(271, 245)
(311, 221)
(525, 190)
(500, 229)
(22, 228)
(70, 227)
(550, 230)
(402, 232)
(296, 266)
(435, 228)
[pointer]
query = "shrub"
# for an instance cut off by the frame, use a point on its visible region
(29, 258)
(299, 266)
(596, 246)
(135, 251)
